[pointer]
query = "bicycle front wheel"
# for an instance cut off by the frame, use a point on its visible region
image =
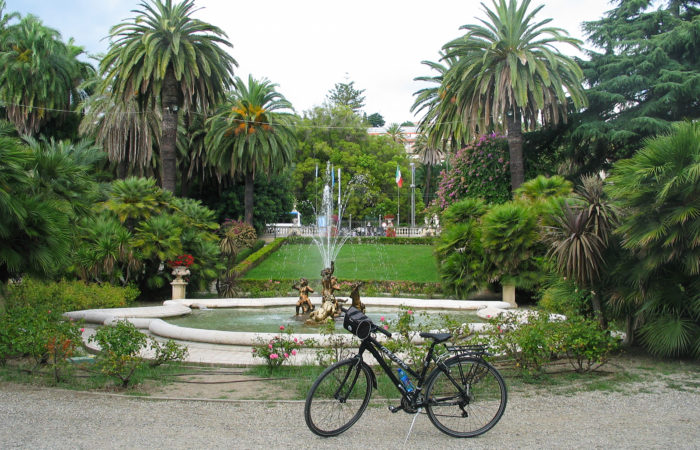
(466, 398)
(338, 397)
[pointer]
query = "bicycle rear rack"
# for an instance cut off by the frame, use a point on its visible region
(467, 350)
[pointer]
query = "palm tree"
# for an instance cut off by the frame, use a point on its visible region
(438, 123)
(659, 192)
(250, 133)
(165, 56)
(126, 132)
(395, 134)
(429, 156)
(38, 73)
(508, 71)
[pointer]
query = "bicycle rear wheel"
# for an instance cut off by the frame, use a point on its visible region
(467, 398)
(338, 397)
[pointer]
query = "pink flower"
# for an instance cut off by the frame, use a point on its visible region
(301, 342)
(255, 350)
(409, 312)
(274, 356)
(296, 340)
(386, 327)
(286, 355)
(281, 327)
(488, 316)
(269, 346)
(82, 330)
(294, 352)
(382, 319)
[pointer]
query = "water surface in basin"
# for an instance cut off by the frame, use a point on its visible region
(269, 320)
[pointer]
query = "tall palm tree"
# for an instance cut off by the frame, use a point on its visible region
(127, 133)
(429, 156)
(508, 71)
(250, 133)
(438, 123)
(165, 56)
(39, 73)
(395, 134)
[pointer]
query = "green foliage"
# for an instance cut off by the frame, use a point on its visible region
(335, 347)
(39, 332)
(530, 346)
(120, 348)
(340, 136)
(40, 74)
(658, 190)
(563, 296)
(509, 239)
(279, 349)
(643, 76)
(344, 95)
(376, 120)
(404, 332)
(68, 295)
(480, 170)
(138, 229)
(281, 287)
(258, 257)
(167, 352)
(586, 346)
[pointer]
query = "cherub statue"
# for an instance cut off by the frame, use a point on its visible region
(304, 302)
(355, 296)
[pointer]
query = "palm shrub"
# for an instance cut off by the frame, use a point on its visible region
(510, 239)
(659, 191)
(459, 252)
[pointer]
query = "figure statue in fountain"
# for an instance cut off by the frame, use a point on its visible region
(355, 296)
(330, 306)
(304, 302)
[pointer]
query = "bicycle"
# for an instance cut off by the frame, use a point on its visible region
(464, 395)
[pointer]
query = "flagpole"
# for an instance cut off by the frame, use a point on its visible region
(398, 205)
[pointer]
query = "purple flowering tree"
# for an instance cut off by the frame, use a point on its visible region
(479, 170)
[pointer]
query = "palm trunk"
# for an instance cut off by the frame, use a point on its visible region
(248, 198)
(426, 194)
(515, 147)
(168, 142)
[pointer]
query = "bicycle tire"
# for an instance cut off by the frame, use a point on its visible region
(471, 410)
(338, 397)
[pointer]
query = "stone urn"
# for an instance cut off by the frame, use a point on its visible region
(179, 284)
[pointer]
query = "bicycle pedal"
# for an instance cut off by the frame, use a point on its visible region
(395, 409)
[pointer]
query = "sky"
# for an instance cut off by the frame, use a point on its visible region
(307, 46)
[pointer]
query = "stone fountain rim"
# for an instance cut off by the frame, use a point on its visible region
(149, 317)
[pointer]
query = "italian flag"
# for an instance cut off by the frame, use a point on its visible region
(399, 180)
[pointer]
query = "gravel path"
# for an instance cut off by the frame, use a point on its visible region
(48, 418)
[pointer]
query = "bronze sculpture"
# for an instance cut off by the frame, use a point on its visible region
(304, 302)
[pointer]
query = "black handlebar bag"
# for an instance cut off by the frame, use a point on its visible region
(357, 323)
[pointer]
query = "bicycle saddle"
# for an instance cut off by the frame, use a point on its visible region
(437, 337)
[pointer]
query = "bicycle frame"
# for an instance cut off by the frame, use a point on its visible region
(376, 349)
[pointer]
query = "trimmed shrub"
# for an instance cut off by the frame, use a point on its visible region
(65, 295)
(380, 240)
(258, 257)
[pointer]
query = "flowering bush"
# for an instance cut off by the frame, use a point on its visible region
(480, 170)
(279, 349)
(185, 260)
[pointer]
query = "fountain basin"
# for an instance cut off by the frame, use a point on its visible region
(149, 318)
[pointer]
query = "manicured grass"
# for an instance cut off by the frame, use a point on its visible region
(355, 262)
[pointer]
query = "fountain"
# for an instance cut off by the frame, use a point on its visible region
(329, 240)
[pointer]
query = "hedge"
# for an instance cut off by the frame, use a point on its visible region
(382, 240)
(370, 288)
(69, 295)
(258, 257)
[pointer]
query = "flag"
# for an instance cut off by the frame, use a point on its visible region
(399, 180)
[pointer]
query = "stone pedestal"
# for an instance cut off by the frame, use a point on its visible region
(509, 295)
(179, 284)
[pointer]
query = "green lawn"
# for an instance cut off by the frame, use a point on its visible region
(355, 262)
